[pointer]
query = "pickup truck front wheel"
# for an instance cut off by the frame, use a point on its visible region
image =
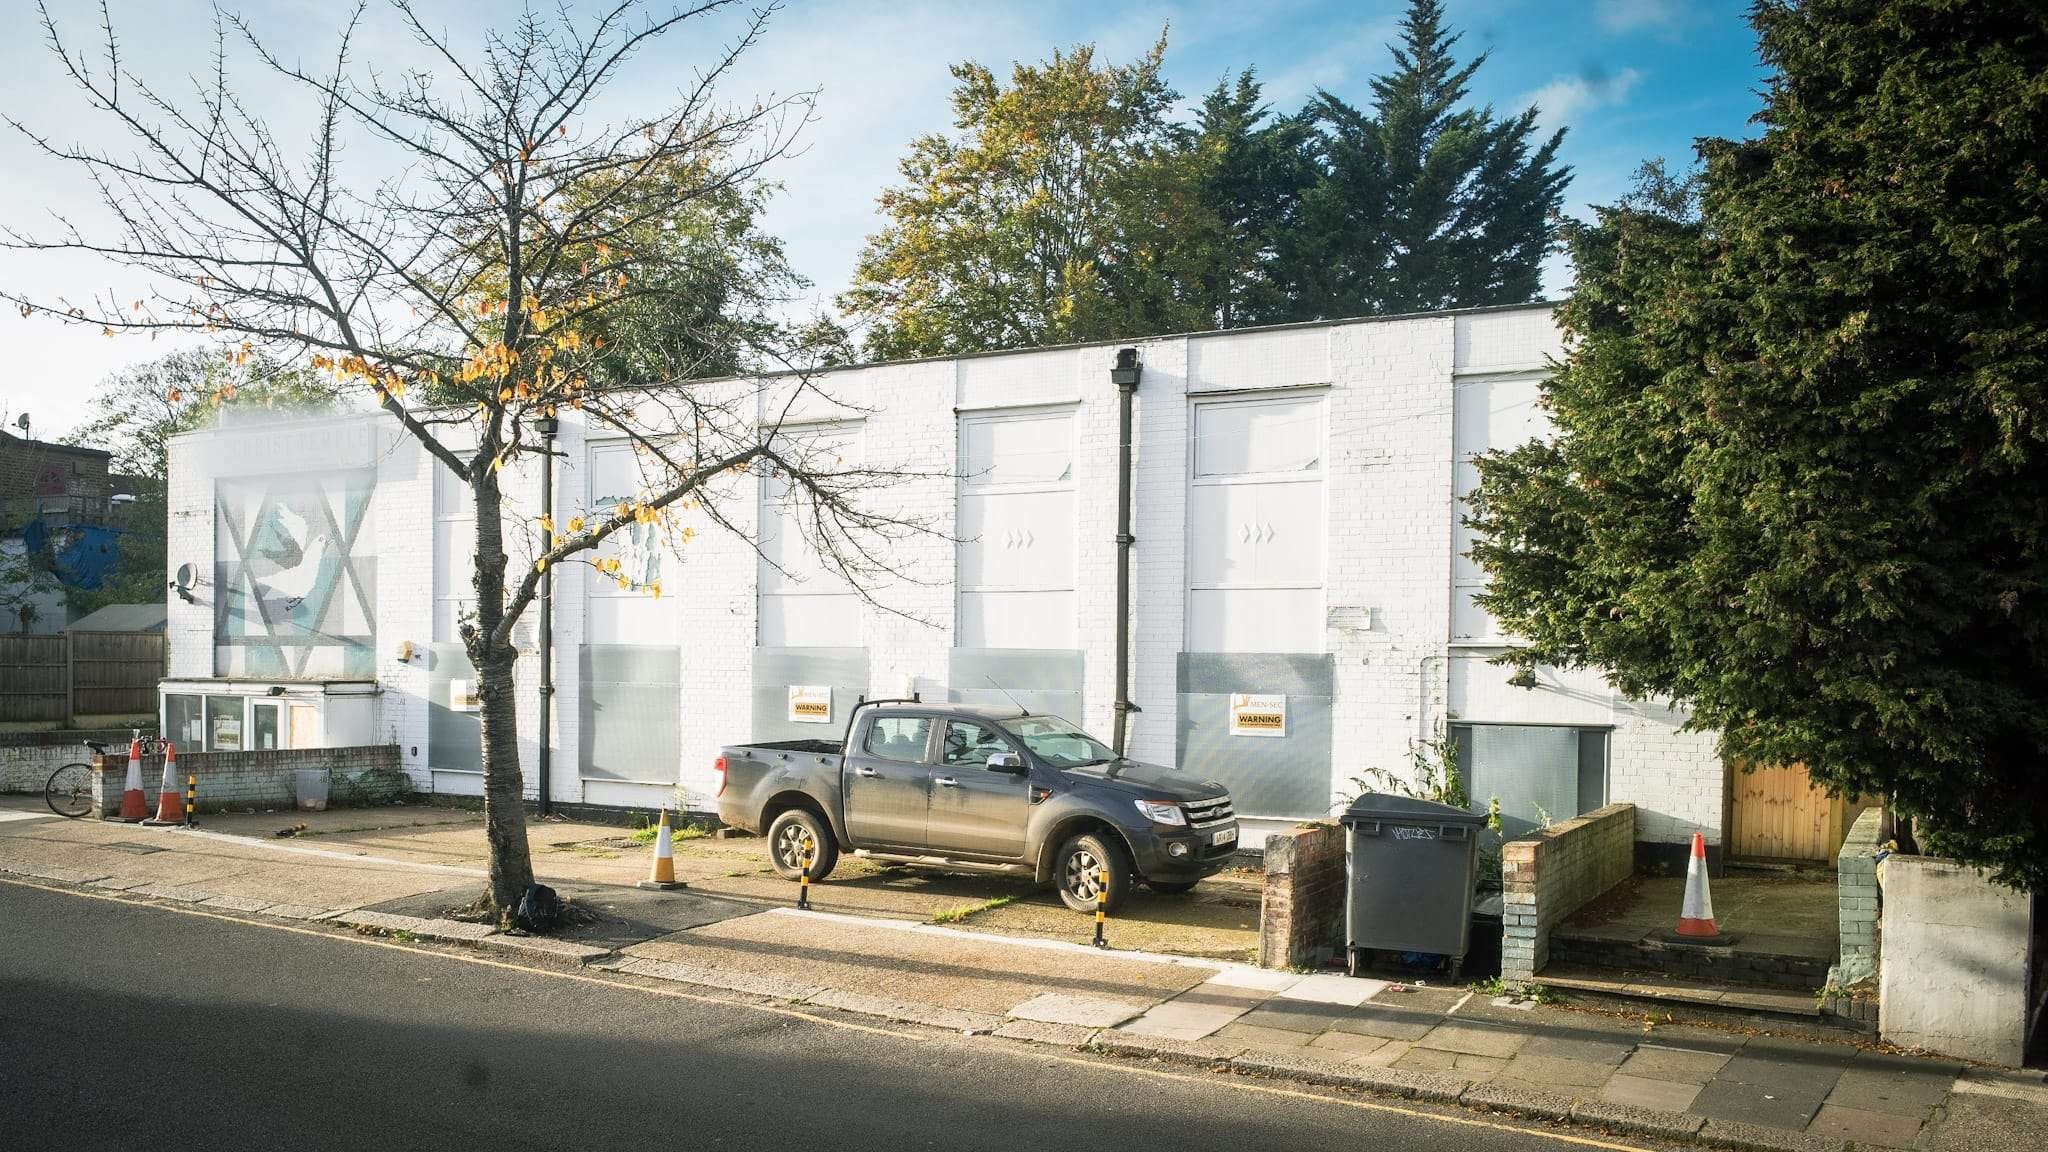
(787, 837)
(1083, 862)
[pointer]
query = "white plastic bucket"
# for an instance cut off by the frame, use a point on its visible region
(310, 786)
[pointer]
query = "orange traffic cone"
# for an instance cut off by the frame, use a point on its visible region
(663, 874)
(1696, 915)
(133, 805)
(170, 803)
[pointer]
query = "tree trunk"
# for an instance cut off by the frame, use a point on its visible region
(511, 867)
(504, 810)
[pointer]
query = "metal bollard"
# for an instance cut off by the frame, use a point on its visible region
(803, 891)
(191, 797)
(1101, 906)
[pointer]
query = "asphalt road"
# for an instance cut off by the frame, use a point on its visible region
(125, 1026)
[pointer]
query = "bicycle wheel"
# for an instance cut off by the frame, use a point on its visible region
(69, 792)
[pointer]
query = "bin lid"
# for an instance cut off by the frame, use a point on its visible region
(1384, 808)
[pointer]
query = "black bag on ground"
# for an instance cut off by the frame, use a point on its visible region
(539, 908)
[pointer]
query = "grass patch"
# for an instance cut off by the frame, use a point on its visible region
(646, 833)
(956, 915)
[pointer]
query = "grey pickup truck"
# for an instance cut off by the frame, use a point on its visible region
(959, 787)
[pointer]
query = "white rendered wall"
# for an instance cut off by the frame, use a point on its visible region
(1399, 404)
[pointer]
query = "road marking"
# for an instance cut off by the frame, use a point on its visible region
(1096, 1064)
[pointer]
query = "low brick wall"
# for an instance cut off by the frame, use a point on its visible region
(1301, 912)
(1856, 897)
(368, 774)
(28, 758)
(1547, 876)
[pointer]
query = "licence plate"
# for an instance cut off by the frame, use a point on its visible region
(1228, 835)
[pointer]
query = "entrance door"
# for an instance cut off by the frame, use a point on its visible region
(975, 811)
(305, 726)
(1780, 814)
(888, 783)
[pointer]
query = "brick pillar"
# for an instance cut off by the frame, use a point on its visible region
(1301, 915)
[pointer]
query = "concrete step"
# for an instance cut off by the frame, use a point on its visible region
(1741, 962)
(1710, 1002)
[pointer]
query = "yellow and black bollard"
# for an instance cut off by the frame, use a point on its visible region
(803, 880)
(191, 797)
(1101, 906)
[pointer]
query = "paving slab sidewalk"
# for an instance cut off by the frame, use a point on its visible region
(1434, 1043)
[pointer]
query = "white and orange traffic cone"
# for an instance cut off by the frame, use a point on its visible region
(133, 805)
(662, 875)
(170, 802)
(1696, 915)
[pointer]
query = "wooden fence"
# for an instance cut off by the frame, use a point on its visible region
(54, 678)
(35, 678)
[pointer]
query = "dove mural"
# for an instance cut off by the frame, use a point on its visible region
(294, 564)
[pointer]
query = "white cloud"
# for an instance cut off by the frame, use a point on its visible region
(1562, 102)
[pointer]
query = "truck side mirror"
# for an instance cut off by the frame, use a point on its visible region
(1008, 762)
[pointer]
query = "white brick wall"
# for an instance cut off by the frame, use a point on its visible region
(1391, 510)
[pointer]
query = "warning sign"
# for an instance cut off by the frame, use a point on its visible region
(810, 703)
(1255, 715)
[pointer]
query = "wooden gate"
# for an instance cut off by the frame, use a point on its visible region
(1780, 814)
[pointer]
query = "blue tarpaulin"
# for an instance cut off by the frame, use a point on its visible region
(84, 561)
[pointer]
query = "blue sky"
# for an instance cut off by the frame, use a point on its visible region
(1632, 79)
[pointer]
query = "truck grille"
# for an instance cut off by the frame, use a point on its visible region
(1210, 813)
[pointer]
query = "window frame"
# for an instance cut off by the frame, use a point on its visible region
(924, 756)
(241, 711)
(993, 730)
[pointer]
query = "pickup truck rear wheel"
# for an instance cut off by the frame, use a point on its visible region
(787, 837)
(1082, 861)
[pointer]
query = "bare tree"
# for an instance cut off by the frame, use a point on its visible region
(518, 262)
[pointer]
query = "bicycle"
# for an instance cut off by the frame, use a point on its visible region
(69, 789)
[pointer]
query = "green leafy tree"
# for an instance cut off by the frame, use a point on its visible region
(1255, 171)
(1056, 213)
(1800, 484)
(135, 412)
(497, 278)
(1426, 203)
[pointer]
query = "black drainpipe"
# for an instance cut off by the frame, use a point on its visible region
(1125, 377)
(547, 427)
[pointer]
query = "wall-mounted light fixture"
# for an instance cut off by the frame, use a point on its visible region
(405, 651)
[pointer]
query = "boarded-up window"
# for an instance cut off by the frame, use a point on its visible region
(1539, 774)
(1488, 414)
(1255, 526)
(805, 601)
(621, 608)
(1016, 528)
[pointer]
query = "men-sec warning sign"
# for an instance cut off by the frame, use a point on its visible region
(1257, 715)
(810, 703)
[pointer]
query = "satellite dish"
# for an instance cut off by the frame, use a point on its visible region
(184, 577)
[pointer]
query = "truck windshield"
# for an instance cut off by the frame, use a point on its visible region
(1057, 742)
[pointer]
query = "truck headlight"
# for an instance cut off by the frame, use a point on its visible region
(1161, 812)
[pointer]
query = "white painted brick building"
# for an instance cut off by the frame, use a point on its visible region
(1296, 504)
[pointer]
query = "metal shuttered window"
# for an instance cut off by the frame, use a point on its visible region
(1015, 576)
(1255, 526)
(1539, 773)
